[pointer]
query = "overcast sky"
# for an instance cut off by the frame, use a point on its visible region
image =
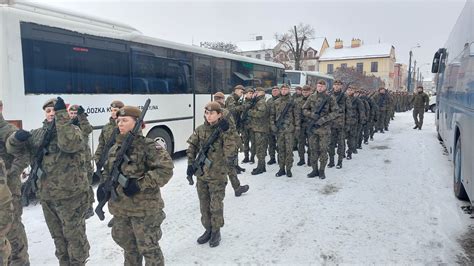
(400, 23)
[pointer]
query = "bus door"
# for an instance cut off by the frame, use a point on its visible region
(202, 87)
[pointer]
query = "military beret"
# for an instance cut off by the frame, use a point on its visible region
(132, 111)
(306, 88)
(239, 87)
(322, 82)
(338, 81)
(49, 103)
(213, 106)
(275, 88)
(219, 95)
(73, 107)
(117, 104)
(260, 89)
(249, 90)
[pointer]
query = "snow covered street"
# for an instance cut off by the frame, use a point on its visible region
(392, 203)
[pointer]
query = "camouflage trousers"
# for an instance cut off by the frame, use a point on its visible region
(67, 226)
(232, 174)
(418, 114)
(367, 130)
(337, 140)
(138, 237)
(247, 141)
(5, 251)
(285, 149)
(351, 135)
(371, 126)
(387, 118)
(272, 145)
(303, 141)
(360, 134)
(381, 120)
(211, 201)
(318, 146)
(6, 218)
(17, 236)
(259, 144)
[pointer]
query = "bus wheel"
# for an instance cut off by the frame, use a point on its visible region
(459, 190)
(161, 136)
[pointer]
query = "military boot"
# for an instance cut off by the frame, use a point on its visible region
(260, 168)
(349, 155)
(241, 190)
(354, 151)
(111, 222)
(204, 237)
(215, 238)
(252, 159)
(322, 175)
(272, 161)
(313, 173)
(366, 142)
(280, 172)
(246, 158)
(339, 163)
(288, 172)
(240, 168)
(301, 162)
(331, 162)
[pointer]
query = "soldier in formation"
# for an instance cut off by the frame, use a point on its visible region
(272, 138)
(303, 136)
(337, 127)
(259, 129)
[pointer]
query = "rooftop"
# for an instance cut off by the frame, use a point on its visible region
(363, 51)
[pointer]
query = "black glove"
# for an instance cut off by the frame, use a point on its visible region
(81, 110)
(75, 121)
(190, 170)
(101, 192)
(22, 135)
(132, 188)
(224, 125)
(60, 105)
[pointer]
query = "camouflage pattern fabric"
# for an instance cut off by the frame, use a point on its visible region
(104, 137)
(303, 136)
(6, 215)
(272, 138)
(260, 127)
(337, 127)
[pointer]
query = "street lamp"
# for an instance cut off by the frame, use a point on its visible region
(409, 67)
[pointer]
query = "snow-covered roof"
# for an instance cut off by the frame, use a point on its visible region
(249, 46)
(363, 51)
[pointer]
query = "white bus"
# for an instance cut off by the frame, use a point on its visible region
(46, 52)
(300, 78)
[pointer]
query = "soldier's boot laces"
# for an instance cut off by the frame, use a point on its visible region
(313, 173)
(331, 162)
(289, 173)
(215, 239)
(280, 172)
(241, 190)
(272, 161)
(204, 238)
(301, 162)
(246, 159)
(322, 175)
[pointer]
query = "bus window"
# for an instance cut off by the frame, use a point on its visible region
(68, 69)
(221, 75)
(242, 74)
(202, 74)
(294, 77)
(266, 77)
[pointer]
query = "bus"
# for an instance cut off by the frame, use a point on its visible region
(300, 78)
(47, 52)
(453, 66)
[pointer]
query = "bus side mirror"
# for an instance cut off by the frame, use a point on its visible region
(435, 65)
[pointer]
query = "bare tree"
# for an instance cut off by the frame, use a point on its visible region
(351, 77)
(295, 40)
(220, 46)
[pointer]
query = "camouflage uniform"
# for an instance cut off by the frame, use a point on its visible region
(363, 128)
(104, 137)
(63, 189)
(320, 128)
(6, 216)
(247, 136)
(382, 104)
(211, 185)
(138, 218)
(303, 136)
(272, 138)
(290, 127)
(372, 118)
(355, 114)
(259, 129)
(420, 101)
(337, 130)
(14, 165)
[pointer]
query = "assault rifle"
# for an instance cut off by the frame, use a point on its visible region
(116, 177)
(103, 156)
(201, 158)
(280, 120)
(318, 114)
(245, 113)
(36, 172)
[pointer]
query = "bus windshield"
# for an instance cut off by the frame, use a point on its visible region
(294, 77)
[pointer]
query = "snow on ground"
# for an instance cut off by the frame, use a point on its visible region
(393, 203)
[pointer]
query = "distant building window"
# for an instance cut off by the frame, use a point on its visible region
(311, 68)
(374, 67)
(330, 68)
(258, 56)
(343, 65)
(360, 67)
(249, 55)
(310, 54)
(268, 57)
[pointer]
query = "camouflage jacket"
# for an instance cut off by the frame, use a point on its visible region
(235, 107)
(382, 101)
(299, 109)
(340, 99)
(373, 108)
(151, 165)
(291, 121)
(271, 102)
(14, 164)
(64, 175)
(86, 129)
(420, 100)
(6, 207)
(232, 128)
(355, 111)
(104, 137)
(259, 116)
(219, 154)
(328, 113)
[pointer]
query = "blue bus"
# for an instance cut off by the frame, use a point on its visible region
(453, 66)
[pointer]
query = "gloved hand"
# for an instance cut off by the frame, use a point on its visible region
(60, 105)
(190, 170)
(22, 135)
(81, 110)
(224, 125)
(132, 188)
(100, 192)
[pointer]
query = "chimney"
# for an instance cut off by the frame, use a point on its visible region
(338, 44)
(355, 43)
(259, 38)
